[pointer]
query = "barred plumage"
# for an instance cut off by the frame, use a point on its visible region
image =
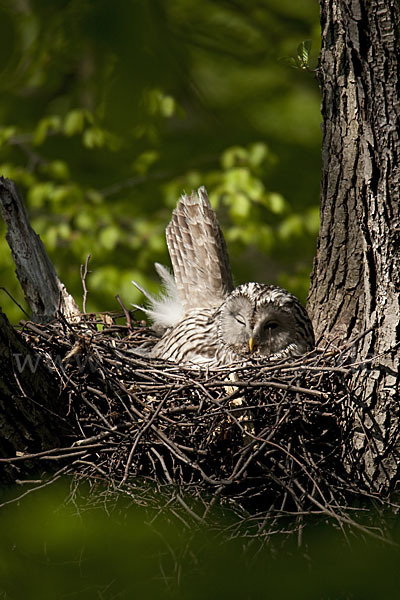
(200, 317)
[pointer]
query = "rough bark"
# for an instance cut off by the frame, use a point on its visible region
(355, 283)
(32, 415)
(45, 294)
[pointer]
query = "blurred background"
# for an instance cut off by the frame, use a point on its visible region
(57, 544)
(109, 110)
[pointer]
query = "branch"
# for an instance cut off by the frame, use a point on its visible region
(45, 294)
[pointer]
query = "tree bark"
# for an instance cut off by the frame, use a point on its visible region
(355, 284)
(45, 294)
(32, 413)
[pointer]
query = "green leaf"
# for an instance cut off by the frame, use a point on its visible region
(236, 155)
(291, 227)
(257, 153)
(289, 61)
(167, 106)
(6, 133)
(40, 133)
(233, 234)
(239, 206)
(109, 236)
(65, 193)
(40, 193)
(50, 237)
(238, 178)
(276, 203)
(64, 230)
(85, 221)
(255, 189)
(303, 53)
(144, 161)
(94, 137)
(58, 169)
(74, 122)
(45, 126)
(18, 174)
(312, 220)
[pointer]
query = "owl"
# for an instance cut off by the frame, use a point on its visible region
(201, 318)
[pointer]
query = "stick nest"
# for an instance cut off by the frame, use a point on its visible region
(268, 437)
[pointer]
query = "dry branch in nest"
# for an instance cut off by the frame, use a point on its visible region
(267, 440)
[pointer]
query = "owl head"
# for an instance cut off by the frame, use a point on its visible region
(264, 320)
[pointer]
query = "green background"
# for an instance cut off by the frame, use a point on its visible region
(55, 544)
(109, 110)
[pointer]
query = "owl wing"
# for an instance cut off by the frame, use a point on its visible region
(198, 253)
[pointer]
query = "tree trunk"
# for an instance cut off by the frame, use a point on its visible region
(355, 285)
(45, 294)
(32, 413)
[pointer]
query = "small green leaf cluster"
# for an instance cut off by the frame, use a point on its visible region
(302, 58)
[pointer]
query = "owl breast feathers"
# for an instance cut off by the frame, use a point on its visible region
(200, 318)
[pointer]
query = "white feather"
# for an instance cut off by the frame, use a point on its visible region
(165, 310)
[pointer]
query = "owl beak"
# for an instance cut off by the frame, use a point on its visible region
(251, 344)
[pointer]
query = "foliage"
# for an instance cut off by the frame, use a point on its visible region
(109, 112)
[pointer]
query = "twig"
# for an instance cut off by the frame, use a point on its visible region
(14, 300)
(84, 272)
(126, 312)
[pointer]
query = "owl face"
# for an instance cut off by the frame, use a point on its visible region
(257, 320)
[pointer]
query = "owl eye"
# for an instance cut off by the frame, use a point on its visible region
(240, 320)
(270, 325)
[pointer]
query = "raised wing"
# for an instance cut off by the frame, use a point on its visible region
(198, 253)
